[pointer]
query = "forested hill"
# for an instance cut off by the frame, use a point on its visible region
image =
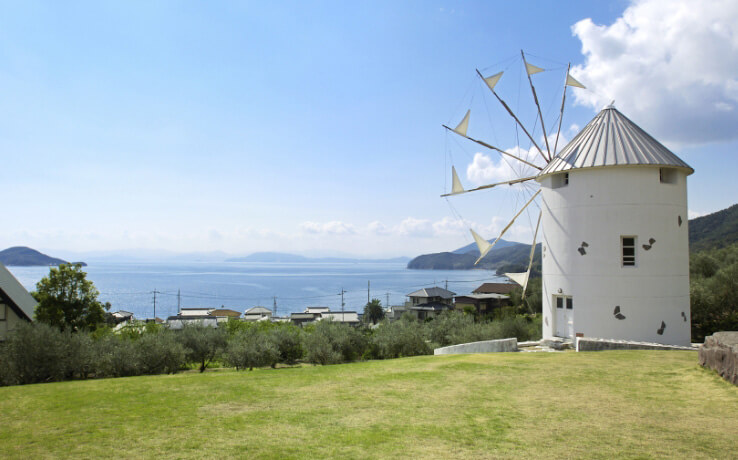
(21, 256)
(505, 257)
(716, 230)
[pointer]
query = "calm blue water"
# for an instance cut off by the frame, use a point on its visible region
(239, 286)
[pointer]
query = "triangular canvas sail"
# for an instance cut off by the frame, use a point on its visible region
(570, 81)
(456, 186)
(464, 125)
(492, 81)
(531, 69)
(483, 245)
(520, 278)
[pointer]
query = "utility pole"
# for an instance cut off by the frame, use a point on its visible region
(368, 288)
(447, 285)
(179, 302)
(275, 306)
(343, 315)
(387, 304)
(155, 292)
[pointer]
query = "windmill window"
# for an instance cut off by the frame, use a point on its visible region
(563, 300)
(628, 245)
(560, 180)
(667, 175)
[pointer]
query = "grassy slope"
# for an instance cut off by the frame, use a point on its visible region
(593, 405)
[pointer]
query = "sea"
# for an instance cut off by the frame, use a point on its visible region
(159, 289)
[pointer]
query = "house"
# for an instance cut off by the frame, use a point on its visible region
(257, 314)
(317, 310)
(16, 304)
(180, 321)
(300, 319)
(429, 302)
(495, 288)
(195, 311)
(225, 314)
(347, 317)
(482, 303)
(122, 316)
(615, 236)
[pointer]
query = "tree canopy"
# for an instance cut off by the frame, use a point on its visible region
(68, 300)
(373, 311)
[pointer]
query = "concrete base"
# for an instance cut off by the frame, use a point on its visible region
(485, 346)
(594, 344)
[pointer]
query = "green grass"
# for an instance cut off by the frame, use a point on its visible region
(644, 404)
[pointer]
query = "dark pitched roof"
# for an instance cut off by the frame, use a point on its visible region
(433, 292)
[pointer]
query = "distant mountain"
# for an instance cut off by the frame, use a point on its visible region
(715, 230)
(506, 256)
(21, 256)
(280, 257)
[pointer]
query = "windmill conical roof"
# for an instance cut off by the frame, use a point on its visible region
(611, 139)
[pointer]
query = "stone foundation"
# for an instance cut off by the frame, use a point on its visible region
(720, 353)
(594, 344)
(485, 346)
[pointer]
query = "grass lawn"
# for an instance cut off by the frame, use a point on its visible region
(645, 404)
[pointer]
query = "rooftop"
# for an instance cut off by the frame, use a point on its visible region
(611, 139)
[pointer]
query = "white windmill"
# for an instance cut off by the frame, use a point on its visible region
(614, 221)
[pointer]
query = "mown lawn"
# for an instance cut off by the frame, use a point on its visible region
(645, 404)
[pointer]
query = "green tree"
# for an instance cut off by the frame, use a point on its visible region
(68, 300)
(202, 343)
(373, 311)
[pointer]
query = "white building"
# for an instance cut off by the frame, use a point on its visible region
(615, 245)
(16, 304)
(257, 314)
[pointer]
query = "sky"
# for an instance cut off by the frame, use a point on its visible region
(315, 127)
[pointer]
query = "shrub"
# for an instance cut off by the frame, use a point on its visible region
(116, 357)
(448, 328)
(398, 339)
(202, 344)
(288, 340)
(320, 350)
(33, 353)
(159, 353)
(251, 348)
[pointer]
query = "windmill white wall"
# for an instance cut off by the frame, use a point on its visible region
(584, 222)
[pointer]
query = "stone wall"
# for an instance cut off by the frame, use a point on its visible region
(594, 344)
(720, 352)
(485, 346)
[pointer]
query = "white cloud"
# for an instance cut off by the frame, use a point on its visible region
(415, 227)
(694, 214)
(671, 66)
(378, 228)
(330, 228)
(449, 226)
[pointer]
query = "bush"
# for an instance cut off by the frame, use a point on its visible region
(287, 338)
(251, 348)
(449, 328)
(159, 353)
(202, 344)
(116, 357)
(320, 350)
(398, 339)
(34, 353)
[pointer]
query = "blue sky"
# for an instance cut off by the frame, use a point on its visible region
(315, 127)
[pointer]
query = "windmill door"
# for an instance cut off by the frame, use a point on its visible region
(564, 316)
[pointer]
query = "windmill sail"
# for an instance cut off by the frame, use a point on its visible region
(492, 80)
(531, 69)
(483, 245)
(520, 278)
(456, 186)
(571, 81)
(464, 125)
(490, 246)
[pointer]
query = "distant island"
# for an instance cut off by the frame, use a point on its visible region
(506, 256)
(21, 256)
(281, 257)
